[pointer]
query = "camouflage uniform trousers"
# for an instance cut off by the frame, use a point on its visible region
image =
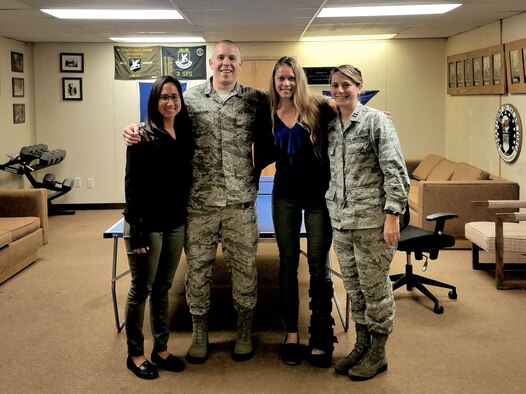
(239, 231)
(364, 263)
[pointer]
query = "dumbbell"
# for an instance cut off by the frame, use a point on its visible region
(52, 157)
(67, 184)
(32, 152)
(49, 181)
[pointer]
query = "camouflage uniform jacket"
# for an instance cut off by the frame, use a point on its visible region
(224, 131)
(368, 172)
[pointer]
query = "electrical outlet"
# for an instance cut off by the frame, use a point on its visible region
(90, 182)
(78, 182)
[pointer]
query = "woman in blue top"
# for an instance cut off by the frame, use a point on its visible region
(155, 220)
(301, 180)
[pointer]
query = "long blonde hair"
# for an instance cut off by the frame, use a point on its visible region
(305, 103)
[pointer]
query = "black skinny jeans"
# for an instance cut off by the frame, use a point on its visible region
(287, 217)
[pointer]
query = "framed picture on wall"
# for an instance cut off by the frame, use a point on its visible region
(514, 59)
(514, 66)
(486, 70)
(452, 76)
(477, 71)
(460, 74)
(468, 72)
(497, 69)
(17, 62)
(19, 113)
(18, 87)
(72, 89)
(72, 62)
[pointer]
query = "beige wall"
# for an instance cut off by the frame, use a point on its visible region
(410, 75)
(470, 120)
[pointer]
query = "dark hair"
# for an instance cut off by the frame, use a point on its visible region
(182, 119)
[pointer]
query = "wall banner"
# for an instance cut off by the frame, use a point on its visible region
(137, 62)
(184, 62)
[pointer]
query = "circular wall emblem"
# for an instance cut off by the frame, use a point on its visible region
(508, 132)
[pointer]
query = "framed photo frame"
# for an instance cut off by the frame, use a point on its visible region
(468, 72)
(72, 62)
(452, 75)
(478, 72)
(17, 62)
(515, 62)
(19, 113)
(497, 69)
(514, 67)
(18, 87)
(72, 89)
(486, 70)
(460, 74)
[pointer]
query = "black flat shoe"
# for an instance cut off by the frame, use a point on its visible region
(171, 363)
(291, 353)
(144, 371)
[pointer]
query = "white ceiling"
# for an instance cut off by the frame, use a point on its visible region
(244, 20)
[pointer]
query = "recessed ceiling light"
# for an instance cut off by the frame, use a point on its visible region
(349, 38)
(423, 9)
(112, 14)
(143, 39)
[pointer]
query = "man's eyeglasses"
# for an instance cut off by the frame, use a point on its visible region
(164, 98)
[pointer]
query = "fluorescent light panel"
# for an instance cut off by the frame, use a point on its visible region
(143, 39)
(112, 14)
(364, 37)
(424, 9)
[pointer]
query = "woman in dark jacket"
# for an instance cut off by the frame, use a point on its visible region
(155, 221)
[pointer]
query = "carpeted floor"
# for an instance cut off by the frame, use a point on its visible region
(58, 334)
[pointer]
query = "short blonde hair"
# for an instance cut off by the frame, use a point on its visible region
(349, 71)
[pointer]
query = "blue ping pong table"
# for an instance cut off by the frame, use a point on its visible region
(266, 234)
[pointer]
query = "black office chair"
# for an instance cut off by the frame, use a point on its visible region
(421, 242)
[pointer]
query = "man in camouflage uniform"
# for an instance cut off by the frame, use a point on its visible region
(368, 189)
(226, 118)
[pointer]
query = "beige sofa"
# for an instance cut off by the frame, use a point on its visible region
(441, 185)
(23, 228)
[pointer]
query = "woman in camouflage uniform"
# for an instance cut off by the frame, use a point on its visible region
(367, 191)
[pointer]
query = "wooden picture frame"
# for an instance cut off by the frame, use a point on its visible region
(516, 65)
(17, 62)
(482, 73)
(72, 89)
(18, 87)
(72, 62)
(19, 113)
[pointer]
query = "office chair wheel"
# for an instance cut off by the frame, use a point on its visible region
(438, 309)
(452, 295)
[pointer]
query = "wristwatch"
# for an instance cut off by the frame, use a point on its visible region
(390, 212)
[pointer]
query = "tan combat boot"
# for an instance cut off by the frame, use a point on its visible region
(243, 348)
(363, 341)
(198, 351)
(374, 361)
